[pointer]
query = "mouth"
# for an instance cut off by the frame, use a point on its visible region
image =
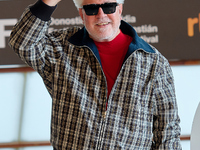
(103, 23)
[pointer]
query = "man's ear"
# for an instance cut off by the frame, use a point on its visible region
(120, 8)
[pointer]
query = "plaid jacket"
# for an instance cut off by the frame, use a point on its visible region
(142, 109)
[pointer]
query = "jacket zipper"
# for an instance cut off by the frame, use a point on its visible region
(104, 113)
(107, 98)
(122, 68)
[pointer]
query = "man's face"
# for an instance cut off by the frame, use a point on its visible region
(102, 27)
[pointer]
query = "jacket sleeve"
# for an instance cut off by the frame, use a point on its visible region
(31, 42)
(166, 129)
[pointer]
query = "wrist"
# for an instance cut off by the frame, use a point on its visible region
(42, 10)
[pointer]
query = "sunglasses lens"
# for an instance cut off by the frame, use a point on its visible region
(93, 9)
(109, 8)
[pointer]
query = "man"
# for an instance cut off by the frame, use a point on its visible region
(110, 89)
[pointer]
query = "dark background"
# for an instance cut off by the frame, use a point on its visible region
(170, 16)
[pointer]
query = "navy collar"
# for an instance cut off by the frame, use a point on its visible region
(81, 38)
(137, 43)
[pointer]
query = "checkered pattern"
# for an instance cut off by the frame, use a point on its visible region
(142, 110)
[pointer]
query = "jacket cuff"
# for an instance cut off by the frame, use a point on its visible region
(42, 11)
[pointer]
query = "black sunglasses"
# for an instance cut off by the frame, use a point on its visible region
(93, 9)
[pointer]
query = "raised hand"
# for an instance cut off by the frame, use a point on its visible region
(51, 2)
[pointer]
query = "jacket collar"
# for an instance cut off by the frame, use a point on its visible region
(81, 38)
(137, 43)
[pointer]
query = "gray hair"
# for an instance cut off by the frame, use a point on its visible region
(78, 3)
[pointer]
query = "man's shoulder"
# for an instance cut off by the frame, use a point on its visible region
(160, 58)
(73, 29)
(66, 33)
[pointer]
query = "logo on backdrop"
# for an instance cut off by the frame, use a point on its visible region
(3, 32)
(192, 24)
(142, 30)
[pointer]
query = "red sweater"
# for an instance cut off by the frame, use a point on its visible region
(112, 55)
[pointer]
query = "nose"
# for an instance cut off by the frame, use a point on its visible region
(100, 13)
